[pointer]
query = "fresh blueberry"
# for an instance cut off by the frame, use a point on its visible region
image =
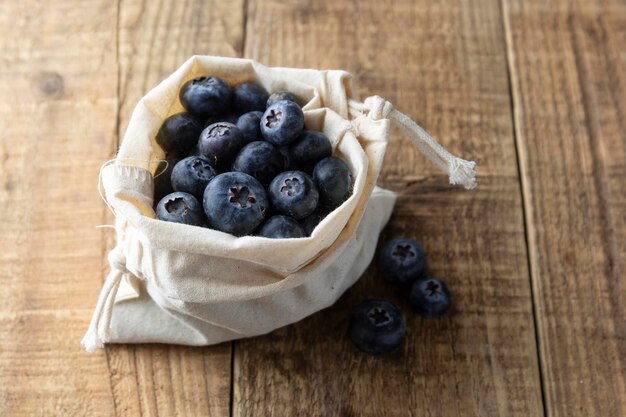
(205, 96)
(249, 97)
(163, 179)
(282, 95)
(235, 203)
(180, 208)
(192, 175)
(377, 327)
(219, 143)
(261, 160)
(311, 221)
(293, 193)
(282, 122)
(402, 261)
(178, 134)
(430, 297)
(308, 149)
(250, 126)
(281, 227)
(332, 177)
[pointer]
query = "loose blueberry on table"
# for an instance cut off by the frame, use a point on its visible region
(430, 297)
(377, 327)
(243, 158)
(402, 261)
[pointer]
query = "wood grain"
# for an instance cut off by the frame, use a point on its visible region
(58, 118)
(154, 40)
(444, 64)
(569, 80)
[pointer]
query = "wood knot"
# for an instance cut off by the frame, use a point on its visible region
(50, 84)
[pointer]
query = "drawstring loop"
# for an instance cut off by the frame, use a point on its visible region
(98, 331)
(459, 170)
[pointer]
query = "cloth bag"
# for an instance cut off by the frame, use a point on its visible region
(182, 284)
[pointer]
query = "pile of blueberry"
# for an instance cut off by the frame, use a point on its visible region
(240, 161)
(377, 326)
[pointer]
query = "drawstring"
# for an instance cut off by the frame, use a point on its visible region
(459, 170)
(98, 331)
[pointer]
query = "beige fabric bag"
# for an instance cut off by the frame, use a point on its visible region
(175, 283)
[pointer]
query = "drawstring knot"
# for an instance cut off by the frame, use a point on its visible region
(459, 170)
(379, 108)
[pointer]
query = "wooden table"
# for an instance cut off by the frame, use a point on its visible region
(535, 91)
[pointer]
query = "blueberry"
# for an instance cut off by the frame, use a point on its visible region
(250, 126)
(293, 193)
(235, 203)
(249, 97)
(332, 177)
(308, 149)
(180, 208)
(282, 95)
(402, 261)
(261, 160)
(377, 327)
(281, 227)
(430, 297)
(192, 175)
(178, 134)
(205, 96)
(219, 143)
(311, 221)
(282, 122)
(163, 179)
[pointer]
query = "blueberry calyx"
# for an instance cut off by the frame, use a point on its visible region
(291, 186)
(403, 252)
(177, 206)
(219, 130)
(241, 196)
(379, 317)
(273, 118)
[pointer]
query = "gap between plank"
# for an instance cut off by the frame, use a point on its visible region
(231, 408)
(116, 144)
(523, 192)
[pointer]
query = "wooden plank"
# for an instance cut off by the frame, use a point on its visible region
(59, 86)
(155, 38)
(569, 83)
(443, 63)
